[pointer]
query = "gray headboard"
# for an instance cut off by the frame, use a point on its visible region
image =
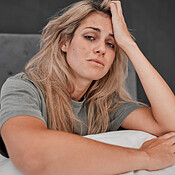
(17, 49)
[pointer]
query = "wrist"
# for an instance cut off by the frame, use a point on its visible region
(137, 159)
(144, 160)
(140, 160)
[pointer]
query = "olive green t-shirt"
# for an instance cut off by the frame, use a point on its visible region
(20, 96)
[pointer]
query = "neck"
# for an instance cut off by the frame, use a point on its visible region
(80, 88)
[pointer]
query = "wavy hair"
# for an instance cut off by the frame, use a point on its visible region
(50, 72)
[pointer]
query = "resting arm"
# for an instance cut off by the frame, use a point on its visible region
(162, 100)
(34, 149)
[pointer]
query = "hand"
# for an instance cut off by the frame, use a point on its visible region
(160, 151)
(121, 33)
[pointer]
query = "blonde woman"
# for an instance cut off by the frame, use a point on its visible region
(74, 86)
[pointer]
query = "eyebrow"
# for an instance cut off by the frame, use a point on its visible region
(98, 30)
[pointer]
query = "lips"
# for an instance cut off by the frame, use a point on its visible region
(96, 61)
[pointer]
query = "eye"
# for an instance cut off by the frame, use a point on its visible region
(110, 45)
(91, 38)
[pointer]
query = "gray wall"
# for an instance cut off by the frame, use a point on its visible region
(151, 21)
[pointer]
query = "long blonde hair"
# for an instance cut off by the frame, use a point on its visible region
(49, 70)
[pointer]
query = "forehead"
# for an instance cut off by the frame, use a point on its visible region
(98, 20)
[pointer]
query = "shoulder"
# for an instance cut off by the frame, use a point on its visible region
(20, 91)
(20, 96)
(19, 82)
(20, 78)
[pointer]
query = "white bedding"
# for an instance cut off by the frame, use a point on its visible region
(127, 138)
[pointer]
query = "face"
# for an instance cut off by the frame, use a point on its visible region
(91, 52)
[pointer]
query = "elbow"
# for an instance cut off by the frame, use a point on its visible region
(38, 162)
(30, 163)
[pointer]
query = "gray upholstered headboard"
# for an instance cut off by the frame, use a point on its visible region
(17, 49)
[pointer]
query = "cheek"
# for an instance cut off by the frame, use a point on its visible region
(83, 48)
(71, 54)
(111, 58)
(74, 56)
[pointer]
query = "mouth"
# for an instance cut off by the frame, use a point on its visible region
(96, 61)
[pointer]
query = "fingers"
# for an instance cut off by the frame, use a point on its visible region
(121, 33)
(161, 151)
(168, 135)
(118, 5)
(116, 8)
(170, 139)
(113, 9)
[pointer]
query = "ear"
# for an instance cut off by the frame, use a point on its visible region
(64, 46)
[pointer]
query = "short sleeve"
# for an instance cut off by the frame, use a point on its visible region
(19, 97)
(118, 116)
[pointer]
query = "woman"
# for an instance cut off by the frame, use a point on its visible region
(75, 86)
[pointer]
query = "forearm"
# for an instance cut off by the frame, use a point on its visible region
(161, 97)
(71, 154)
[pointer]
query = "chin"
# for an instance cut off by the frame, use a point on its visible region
(97, 77)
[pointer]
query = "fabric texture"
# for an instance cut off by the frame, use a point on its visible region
(20, 96)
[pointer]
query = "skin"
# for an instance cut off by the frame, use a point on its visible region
(93, 46)
(159, 118)
(69, 153)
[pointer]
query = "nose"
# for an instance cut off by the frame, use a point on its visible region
(100, 48)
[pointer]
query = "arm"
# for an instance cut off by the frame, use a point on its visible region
(36, 150)
(162, 100)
